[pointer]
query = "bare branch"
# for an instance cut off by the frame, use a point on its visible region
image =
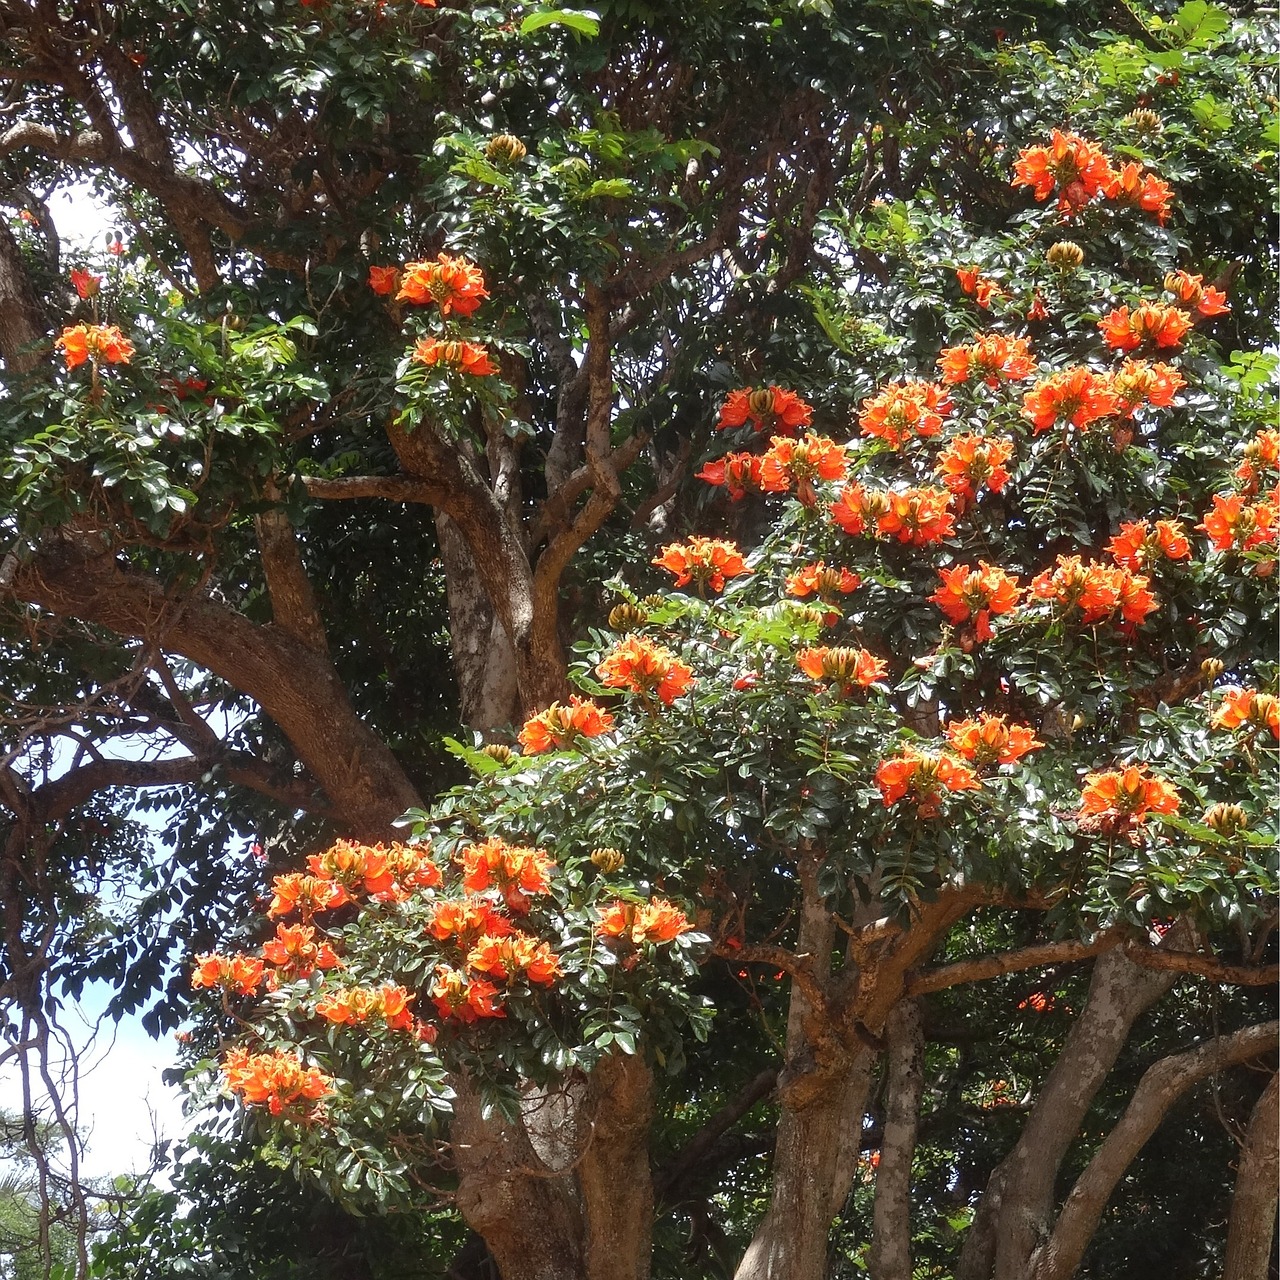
(993, 966)
(392, 488)
(1201, 965)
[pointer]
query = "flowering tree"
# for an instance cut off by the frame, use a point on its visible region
(976, 686)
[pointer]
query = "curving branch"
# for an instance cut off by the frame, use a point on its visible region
(993, 966)
(1202, 966)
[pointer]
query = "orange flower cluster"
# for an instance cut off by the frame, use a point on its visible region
(466, 920)
(655, 921)
(844, 667)
(770, 409)
(737, 472)
(976, 594)
(1129, 794)
(1139, 382)
(388, 873)
(818, 580)
(278, 1080)
(462, 357)
(1248, 707)
(1153, 322)
(1097, 590)
(917, 516)
(646, 669)
(970, 461)
(798, 463)
(1261, 454)
(241, 974)
(96, 342)
(467, 999)
(904, 410)
(1078, 396)
(518, 872)
(1139, 544)
(1235, 525)
(706, 561)
(1192, 292)
(306, 894)
(991, 358)
(991, 740)
(559, 726)
(296, 954)
(977, 286)
(926, 776)
(1134, 185)
(359, 1004)
(510, 955)
(454, 284)
(856, 510)
(1078, 169)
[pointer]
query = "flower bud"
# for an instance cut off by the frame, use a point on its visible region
(760, 403)
(497, 751)
(502, 148)
(1066, 255)
(1212, 668)
(654, 601)
(626, 617)
(1226, 819)
(1144, 121)
(608, 860)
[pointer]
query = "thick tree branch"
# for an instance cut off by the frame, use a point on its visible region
(392, 488)
(1202, 966)
(983, 967)
(1159, 1088)
(1253, 1207)
(293, 601)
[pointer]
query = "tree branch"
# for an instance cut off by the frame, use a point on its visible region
(1203, 966)
(1253, 1207)
(983, 967)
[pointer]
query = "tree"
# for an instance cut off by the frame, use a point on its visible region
(654, 197)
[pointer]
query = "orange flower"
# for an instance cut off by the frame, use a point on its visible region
(738, 472)
(645, 668)
(977, 286)
(466, 999)
(1139, 382)
(240, 973)
(1037, 310)
(970, 461)
(86, 283)
(655, 921)
(856, 509)
(465, 921)
(277, 1079)
(926, 776)
(359, 1004)
(1260, 454)
(1098, 590)
(706, 561)
(519, 872)
(1129, 794)
(991, 358)
(296, 954)
(1247, 706)
(1192, 292)
(1135, 186)
(453, 283)
(512, 955)
(991, 740)
(843, 667)
(818, 580)
(770, 409)
(559, 726)
(917, 516)
(1077, 168)
(94, 342)
(384, 281)
(799, 463)
(385, 872)
(1037, 1001)
(1138, 544)
(976, 594)
(1234, 525)
(462, 357)
(903, 410)
(1154, 322)
(308, 894)
(1077, 395)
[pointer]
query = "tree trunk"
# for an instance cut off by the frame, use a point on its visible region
(891, 1242)
(1253, 1208)
(1159, 1088)
(1017, 1206)
(23, 337)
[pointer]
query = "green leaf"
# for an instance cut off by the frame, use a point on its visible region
(582, 21)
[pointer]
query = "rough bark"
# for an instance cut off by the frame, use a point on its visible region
(1159, 1088)
(890, 1257)
(1253, 1208)
(23, 336)
(1017, 1206)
